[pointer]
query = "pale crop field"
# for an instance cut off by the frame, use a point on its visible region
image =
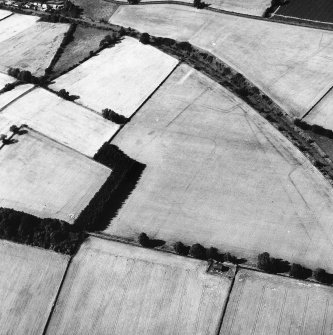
(29, 282)
(61, 120)
(120, 78)
(265, 304)
(41, 177)
(33, 48)
(5, 79)
(15, 24)
(219, 174)
(322, 113)
(4, 14)
(295, 71)
(114, 288)
(7, 98)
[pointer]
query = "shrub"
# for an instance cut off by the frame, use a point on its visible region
(181, 249)
(109, 114)
(198, 251)
(144, 38)
(298, 271)
(144, 239)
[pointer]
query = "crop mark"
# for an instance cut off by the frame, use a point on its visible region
(325, 318)
(282, 311)
(259, 309)
(304, 314)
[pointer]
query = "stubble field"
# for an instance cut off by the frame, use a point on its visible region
(218, 174)
(15, 24)
(295, 71)
(29, 281)
(114, 288)
(264, 304)
(61, 120)
(41, 177)
(120, 78)
(33, 48)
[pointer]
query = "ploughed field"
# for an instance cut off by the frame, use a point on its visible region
(120, 78)
(114, 288)
(264, 304)
(29, 282)
(219, 174)
(291, 64)
(42, 177)
(61, 120)
(313, 10)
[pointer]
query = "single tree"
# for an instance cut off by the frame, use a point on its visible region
(212, 253)
(198, 251)
(181, 249)
(322, 276)
(264, 262)
(144, 38)
(14, 129)
(144, 239)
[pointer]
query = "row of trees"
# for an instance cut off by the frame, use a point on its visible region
(48, 233)
(274, 265)
(25, 76)
(111, 115)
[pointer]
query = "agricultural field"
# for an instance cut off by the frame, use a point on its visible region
(264, 304)
(322, 113)
(41, 177)
(120, 78)
(86, 39)
(96, 10)
(4, 14)
(15, 24)
(29, 281)
(61, 120)
(34, 47)
(295, 71)
(219, 174)
(8, 97)
(5, 79)
(318, 10)
(114, 288)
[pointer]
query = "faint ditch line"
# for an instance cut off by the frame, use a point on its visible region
(57, 295)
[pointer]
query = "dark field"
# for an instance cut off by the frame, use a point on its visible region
(314, 10)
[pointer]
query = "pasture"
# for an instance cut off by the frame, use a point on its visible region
(61, 120)
(33, 48)
(319, 10)
(41, 177)
(7, 98)
(321, 114)
(219, 174)
(86, 39)
(96, 10)
(4, 14)
(264, 304)
(29, 281)
(15, 24)
(120, 78)
(114, 288)
(295, 71)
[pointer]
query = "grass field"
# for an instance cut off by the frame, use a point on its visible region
(29, 281)
(219, 174)
(15, 24)
(322, 114)
(96, 10)
(8, 97)
(86, 39)
(4, 14)
(33, 48)
(114, 288)
(295, 71)
(318, 10)
(120, 78)
(62, 120)
(46, 179)
(264, 304)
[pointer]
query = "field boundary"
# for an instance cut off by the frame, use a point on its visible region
(17, 98)
(303, 19)
(57, 295)
(6, 17)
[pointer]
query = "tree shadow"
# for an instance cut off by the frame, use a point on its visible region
(120, 195)
(153, 243)
(9, 141)
(21, 132)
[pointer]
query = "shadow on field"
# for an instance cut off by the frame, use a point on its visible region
(120, 195)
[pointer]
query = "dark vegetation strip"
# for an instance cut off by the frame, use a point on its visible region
(10, 86)
(106, 202)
